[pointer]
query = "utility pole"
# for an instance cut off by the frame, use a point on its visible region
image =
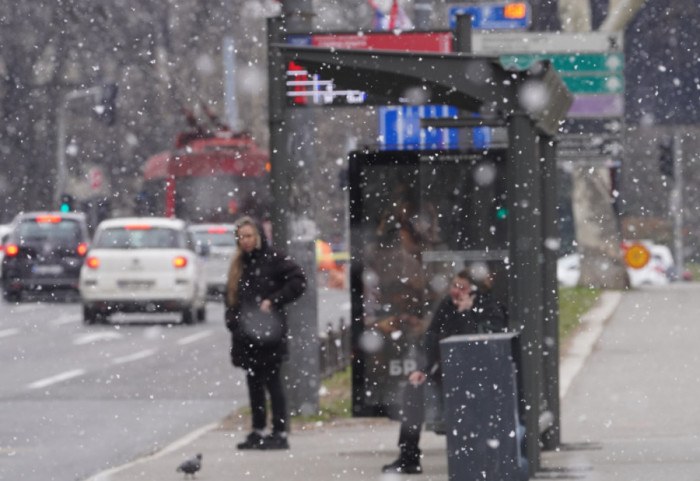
(293, 168)
(676, 203)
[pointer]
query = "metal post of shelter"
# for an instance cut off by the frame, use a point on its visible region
(525, 279)
(550, 289)
(293, 224)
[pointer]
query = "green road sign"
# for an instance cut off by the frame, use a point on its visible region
(582, 73)
(595, 84)
(566, 63)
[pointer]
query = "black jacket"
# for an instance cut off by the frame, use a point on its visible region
(486, 315)
(267, 274)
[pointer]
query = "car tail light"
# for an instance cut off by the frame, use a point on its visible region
(217, 230)
(180, 261)
(11, 250)
(92, 262)
(53, 219)
(82, 249)
(137, 227)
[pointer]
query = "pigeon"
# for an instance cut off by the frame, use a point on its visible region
(190, 466)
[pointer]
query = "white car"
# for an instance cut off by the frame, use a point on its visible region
(218, 245)
(653, 273)
(142, 264)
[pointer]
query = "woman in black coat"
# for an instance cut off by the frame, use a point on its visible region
(261, 282)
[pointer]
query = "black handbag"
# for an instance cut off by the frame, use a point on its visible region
(261, 328)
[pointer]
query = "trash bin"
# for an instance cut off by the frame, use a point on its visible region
(484, 434)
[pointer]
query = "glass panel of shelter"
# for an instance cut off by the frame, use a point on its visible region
(419, 218)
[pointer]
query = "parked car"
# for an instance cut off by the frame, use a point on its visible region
(5, 230)
(217, 243)
(142, 264)
(659, 270)
(44, 251)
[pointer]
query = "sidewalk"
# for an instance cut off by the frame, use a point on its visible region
(629, 412)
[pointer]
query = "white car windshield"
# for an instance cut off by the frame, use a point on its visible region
(140, 238)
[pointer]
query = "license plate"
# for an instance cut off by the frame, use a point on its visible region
(135, 284)
(48, 270)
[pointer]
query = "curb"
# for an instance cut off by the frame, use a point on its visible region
(583, 341)
(174, 446)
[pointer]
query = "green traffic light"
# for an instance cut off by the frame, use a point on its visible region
(501, 213)
(65, 208)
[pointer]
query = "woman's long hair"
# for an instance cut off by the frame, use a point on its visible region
(235, 270)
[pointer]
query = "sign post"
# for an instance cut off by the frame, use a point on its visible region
(592, 67)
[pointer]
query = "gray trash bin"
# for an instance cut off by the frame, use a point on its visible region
(481, 408)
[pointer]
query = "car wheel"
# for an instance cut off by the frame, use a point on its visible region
(202, 314)
(189, 315)
(92, 316)
(11, 296)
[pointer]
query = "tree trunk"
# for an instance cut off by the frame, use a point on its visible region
(597, 226)
(597, 230)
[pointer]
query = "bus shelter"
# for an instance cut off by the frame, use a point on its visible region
(488, 209)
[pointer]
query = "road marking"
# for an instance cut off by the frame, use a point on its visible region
(8, 332)
(64, 376)
(96, 336)
(19, 309)
(135, 356)
(194, 338)
(64, 319)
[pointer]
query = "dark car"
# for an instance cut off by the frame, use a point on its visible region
(44, 251)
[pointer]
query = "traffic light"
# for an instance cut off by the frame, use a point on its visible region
(107, 108)
(501, 212)
(66, 203)
(666, 158)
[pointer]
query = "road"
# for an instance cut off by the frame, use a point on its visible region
(76, 399)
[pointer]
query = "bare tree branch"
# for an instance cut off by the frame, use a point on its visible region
(575, 15)
(620, 12)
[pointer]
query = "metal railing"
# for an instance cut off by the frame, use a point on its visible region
(334, 349)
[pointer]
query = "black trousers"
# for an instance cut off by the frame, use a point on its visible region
(412, 414)
(268, 378)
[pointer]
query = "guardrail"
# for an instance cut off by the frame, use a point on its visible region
(334, 347)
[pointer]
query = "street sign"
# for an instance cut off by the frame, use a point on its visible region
(304, 89)
(592, 140)
(589, 146)
(494, 16)
(399, 128)
(591, 64)
(582, 73)
(506, 43)
(405, 41)
(567, 63)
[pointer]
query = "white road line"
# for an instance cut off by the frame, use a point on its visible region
(96, 336)
(8, 332)
(194, 338)
(65, 319)
(64, 376)
(18, 309)
(135, 356)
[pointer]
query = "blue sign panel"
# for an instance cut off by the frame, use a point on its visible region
(399, 128)
(494, 16)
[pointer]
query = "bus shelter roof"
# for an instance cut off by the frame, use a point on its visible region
(473, 83)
